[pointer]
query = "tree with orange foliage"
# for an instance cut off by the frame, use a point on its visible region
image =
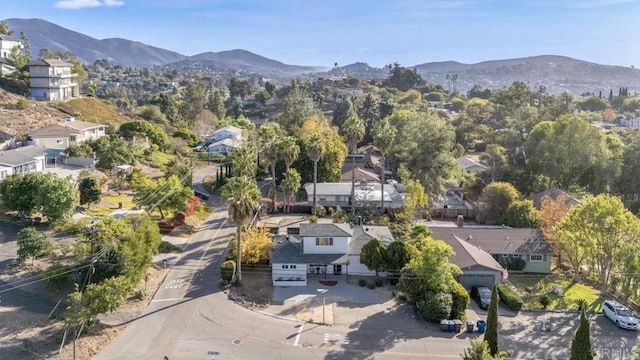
(549, 217)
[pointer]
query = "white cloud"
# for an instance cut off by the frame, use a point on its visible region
(84, 4)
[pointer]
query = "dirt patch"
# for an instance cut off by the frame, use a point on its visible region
(29, 335)
(256, 289)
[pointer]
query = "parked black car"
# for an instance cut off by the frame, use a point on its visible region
(482, 295)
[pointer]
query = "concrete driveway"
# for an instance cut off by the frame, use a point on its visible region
(340, 292)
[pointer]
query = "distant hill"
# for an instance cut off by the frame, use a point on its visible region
(43, 34)
(557, 73)
(239, 59)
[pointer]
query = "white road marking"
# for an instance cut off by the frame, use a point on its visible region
(336, 339)
(175, 299)
(295, 343)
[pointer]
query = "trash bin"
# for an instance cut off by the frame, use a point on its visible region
(457, 325)
(444, 325)
(470, 326)
(481, 324)
(451, 327)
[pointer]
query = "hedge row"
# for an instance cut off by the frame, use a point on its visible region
(509, 297)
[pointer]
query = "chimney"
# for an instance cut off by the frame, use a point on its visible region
(460, 221)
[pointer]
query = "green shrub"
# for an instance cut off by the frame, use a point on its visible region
(57, 276)
(167, 247)
(140, 294)
(460, 300)
(402, 296)
(545, 300)
(371, 286)
(23, 104)
(434, 306)
(378, 282)
(219, 158)
(509, 297)
(515, 264)
(362, 282)
(228, 270)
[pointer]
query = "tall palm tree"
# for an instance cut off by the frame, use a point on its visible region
(269, 148)
(244, 161)
(353, 129)
(383, 135)
(290, 184)
(316, 148)
(242, 196)
(289, 150)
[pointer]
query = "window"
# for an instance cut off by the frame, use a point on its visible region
(72, 138)
(324, 241)
(292, 266)
(3, 174)
(515, 255)
(505, 255)
(288, 266)
(285, 266)
(537, 257)
(58, 141)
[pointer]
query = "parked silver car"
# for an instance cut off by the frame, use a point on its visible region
(620, 315)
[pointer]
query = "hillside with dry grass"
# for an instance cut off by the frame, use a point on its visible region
(19, 115)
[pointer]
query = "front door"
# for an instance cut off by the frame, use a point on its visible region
(337, 269)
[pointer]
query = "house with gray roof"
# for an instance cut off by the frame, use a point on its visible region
(471, 165)
(553, 194)
(323, 249)
(21, 161)
(478, 266)
(504, 244)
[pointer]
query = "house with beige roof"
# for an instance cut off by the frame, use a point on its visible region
(67, 133)
(52, 79)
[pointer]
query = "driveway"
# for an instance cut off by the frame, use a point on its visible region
(316, 291)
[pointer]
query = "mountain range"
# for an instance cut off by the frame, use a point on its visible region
(556, 73)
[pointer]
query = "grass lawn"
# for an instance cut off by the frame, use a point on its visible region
(108, 204)
(160, 158)
(526, 285)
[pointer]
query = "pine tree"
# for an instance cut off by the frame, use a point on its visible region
(491, 334)
(581, 343)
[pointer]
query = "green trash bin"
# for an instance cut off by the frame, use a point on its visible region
(444, 325)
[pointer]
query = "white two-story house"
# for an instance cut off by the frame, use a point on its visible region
(7, 44)
(225, 140)
(52, 79)
(323, 249)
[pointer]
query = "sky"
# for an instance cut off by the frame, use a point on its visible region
(378, 32)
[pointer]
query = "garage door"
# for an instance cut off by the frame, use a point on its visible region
(468, 280)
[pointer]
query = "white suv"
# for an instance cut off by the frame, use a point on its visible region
(620, 315)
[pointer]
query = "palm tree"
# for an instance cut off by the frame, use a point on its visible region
(269, 148)
(353, 129)
(289, 150)
(290, 184)
(242, 195)
(383, 135)
(244, 161)
(316, 148)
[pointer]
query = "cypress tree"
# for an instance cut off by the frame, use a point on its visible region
(491, 334)
(581, 343)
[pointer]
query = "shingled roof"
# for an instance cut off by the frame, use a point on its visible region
(290, 251)
(499, 240)
(325, 230)
(468, 255)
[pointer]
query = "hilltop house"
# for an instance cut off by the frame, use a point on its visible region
(23, 160)
(504, 244)
(471, 165)
(7, 44)
(52, 79)
(323, 249)
(223, 141)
